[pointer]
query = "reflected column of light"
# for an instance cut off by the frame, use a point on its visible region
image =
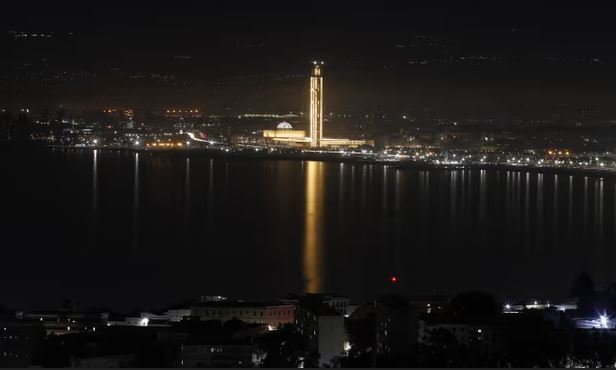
(539, 209)
(425, 211)
(397, 235)
(384, 201)
(527, 209)
(555, 210)
(95, 182)
(370, 185)
(313, 233)
(187, 182)
(508, 200)
(585, 207)
(453, 192)
(397, 202)
(469, 198)
(352, 195)
(470, 189)
(614, 233)
(600, 210)
(595, 207)
(95, 198)
(514, 204)
(570, 202)
(136, 203)
(462, 199)
(187, 192)
(428, 194)
(210, 191)
(482, 205)
(397, 192)
(419, 212)
(341, 196)
(364, 189)
(518, 200)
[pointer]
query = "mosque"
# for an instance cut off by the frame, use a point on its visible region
(284, 134)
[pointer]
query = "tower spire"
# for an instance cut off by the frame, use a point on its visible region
(316, 104)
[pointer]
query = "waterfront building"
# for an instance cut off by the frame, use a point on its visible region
(273, 314)
(323, 327)
(285, 135)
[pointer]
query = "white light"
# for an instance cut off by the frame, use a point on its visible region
(145, 321)
(603, 320)
(346, 346)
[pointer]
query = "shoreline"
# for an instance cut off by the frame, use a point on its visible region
(358, 158)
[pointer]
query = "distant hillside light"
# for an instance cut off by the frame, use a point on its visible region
(393, 279)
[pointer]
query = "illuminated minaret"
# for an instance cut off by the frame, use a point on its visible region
(316, 104)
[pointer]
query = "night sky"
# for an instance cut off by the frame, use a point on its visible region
(473, 60)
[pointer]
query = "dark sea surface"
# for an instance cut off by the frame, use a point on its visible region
(128, 230)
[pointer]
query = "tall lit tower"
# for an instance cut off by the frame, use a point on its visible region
(316, 104)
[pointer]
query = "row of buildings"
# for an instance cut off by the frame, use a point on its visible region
(212, 331)
(317, 330)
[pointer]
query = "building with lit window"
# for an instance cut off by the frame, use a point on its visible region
(182, 113)
(18, 341)
(273, 314)
(323, 327)
(65, 321)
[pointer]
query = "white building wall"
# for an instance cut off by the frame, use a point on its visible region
(331, 338)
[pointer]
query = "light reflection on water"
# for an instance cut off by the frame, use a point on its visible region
(314, 233)
(257, 228)
(418, 210)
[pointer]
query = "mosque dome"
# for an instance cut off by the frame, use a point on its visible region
(284, 126)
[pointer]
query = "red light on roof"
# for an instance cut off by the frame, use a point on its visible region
(393, 279)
